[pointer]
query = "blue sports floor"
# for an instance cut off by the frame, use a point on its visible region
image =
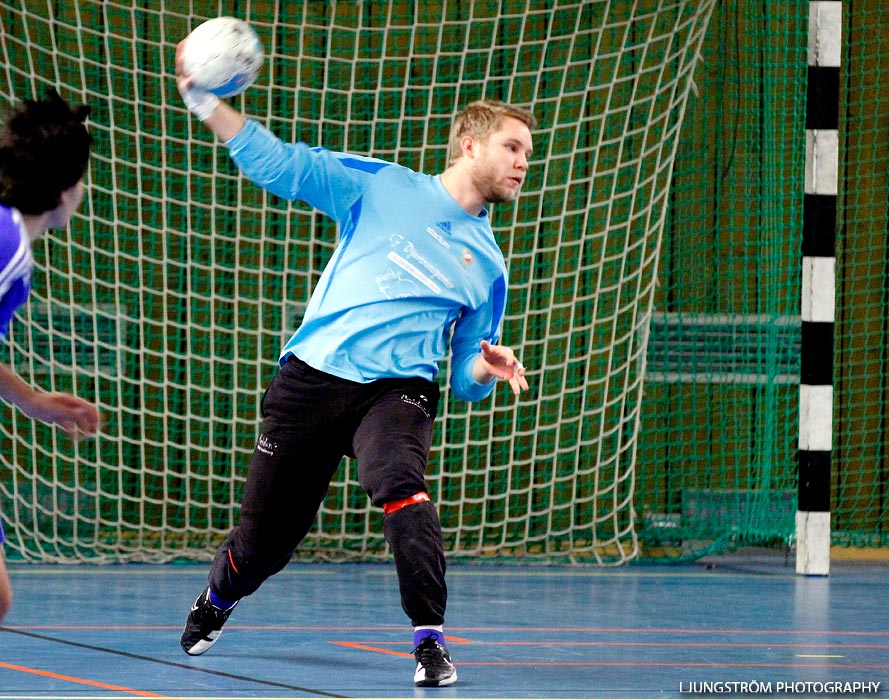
(323, 631)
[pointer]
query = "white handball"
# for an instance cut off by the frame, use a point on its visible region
(223, 56)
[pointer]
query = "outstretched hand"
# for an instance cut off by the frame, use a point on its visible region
(76, 417)
(500, 361)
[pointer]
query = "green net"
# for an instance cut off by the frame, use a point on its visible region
(663, 419)
(717, 461)
(720, 420)
(860, 485)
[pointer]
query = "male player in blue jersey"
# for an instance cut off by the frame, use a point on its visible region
(416, 264)
(44, 153)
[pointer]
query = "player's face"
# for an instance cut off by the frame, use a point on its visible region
(71, 199)
(502, 162)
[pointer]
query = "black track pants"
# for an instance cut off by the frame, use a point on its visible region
(414, 536)
(310, 421)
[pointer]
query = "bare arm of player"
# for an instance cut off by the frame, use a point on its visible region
(499, 362)
(78, 418)
(219, 116)
(5, 587)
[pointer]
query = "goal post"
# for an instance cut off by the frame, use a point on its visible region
(169, 296)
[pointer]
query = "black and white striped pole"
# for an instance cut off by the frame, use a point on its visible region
(818, 288)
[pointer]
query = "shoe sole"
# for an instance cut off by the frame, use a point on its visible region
(436, 684)
(202, 645)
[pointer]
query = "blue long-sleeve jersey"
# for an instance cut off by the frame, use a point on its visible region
(411, 268)
(16, 265)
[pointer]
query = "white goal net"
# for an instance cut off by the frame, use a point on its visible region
(169, 296)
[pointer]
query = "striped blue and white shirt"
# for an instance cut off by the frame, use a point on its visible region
(16, 265)
(412, 269)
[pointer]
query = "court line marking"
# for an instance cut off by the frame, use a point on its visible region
(820, 656)
(172, 664)
(660, 645)
(455, 569)
(670, 664)
(359, 645)
(370, 646)
(81, 681)
(672, 631)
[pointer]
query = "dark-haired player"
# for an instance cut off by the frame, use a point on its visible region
(44, 153)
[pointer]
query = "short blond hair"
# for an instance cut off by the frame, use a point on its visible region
(482, 118)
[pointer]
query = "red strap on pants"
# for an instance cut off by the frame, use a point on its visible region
(392, 506)
(232, 562)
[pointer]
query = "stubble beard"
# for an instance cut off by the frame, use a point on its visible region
(488, 187)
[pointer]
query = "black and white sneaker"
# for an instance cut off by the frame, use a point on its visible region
(204, 625)
(434, 667)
